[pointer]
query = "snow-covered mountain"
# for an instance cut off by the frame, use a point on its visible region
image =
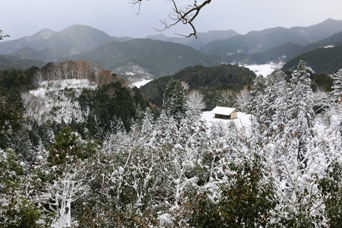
(48, 45)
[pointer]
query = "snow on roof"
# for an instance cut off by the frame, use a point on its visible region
(223, 110)
(243, 122)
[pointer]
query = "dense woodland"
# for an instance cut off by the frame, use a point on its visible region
(324, 59)
(214, 82)
(97, 154)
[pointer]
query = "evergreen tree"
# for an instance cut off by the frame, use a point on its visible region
(301, 109)
(337, 84)
(257, 95)
(331, 187)
(61, 176)
(175, 97)
(17, 208)
(70, 144)
(11, 115)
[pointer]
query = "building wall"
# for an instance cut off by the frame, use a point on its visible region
(219, 116)
(233, 115)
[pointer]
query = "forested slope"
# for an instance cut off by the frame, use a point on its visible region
(322, 60)
(178, 170)
(208, 80)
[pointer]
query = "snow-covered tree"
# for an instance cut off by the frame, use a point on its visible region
(337, 84)
(238, 191)
(65, 190)
(17, 209)
(242, 100)
(175, 97)
(331, 188)
(62, 174)
(257, 94)
(269, 102)
(226, 98)
(195, 101)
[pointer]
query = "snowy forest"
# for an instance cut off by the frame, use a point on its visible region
(134, 166)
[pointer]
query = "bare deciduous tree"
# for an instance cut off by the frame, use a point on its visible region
(185, 14)
(242, 100)
(195, 101)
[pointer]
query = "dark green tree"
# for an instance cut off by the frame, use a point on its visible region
(11, 115)
(16, 210)
(69, 144)
(331, 188)
(175, 97)
(246, 199)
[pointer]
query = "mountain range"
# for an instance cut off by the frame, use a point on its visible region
(160, 55)
(260, 41)
(203, 38)
(145, 57)
(48, 45)
(327, 59)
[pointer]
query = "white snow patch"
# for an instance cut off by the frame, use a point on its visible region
(56, 85)
(165, 219)
(329, 46)
(140, 83)
(56, 97)
(263, 69)
(130, 73)
(69, 83)
(243, 120)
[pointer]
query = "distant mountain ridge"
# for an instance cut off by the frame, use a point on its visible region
(323, 59)
(161, 55)
(203, 38)
(72, 40)
(260, 41)
(284, 52)
(323, 56)
(145, 57)
(77, 39)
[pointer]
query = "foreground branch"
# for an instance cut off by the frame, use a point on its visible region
(185, 15)
(3, 36)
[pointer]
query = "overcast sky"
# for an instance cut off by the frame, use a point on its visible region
(21, 18)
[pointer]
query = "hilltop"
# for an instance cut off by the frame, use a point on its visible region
(47, 45)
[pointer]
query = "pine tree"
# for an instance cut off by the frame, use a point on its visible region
(70, 144)
(175, 97)
(301, 109)
(17, 208)
(269, 103)
(257, 96)
(331, 187)
(337, 84)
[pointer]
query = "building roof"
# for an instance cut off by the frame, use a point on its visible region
(223, 110)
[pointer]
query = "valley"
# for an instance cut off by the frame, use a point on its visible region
(101, 131)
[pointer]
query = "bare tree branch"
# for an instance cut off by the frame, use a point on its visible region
(3, 36)
(181, 14)
(137, 2)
